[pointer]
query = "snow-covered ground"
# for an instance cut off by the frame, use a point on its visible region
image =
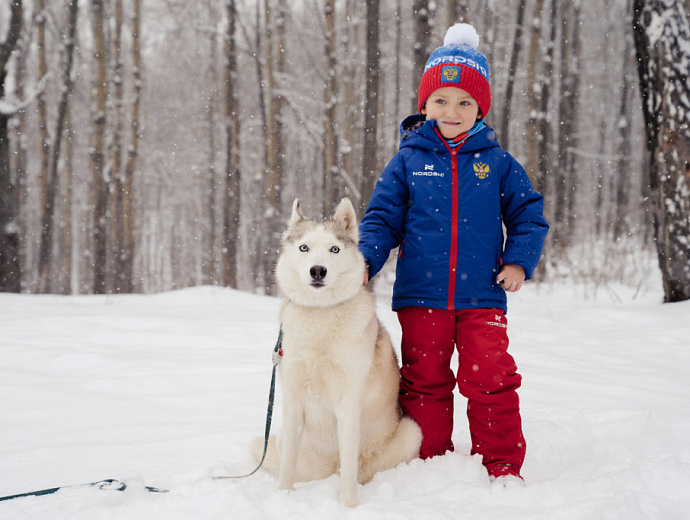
(167, 390)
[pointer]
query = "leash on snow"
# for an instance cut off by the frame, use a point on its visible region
(116, 485)
(108, 484)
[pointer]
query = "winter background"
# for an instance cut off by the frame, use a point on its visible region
(168, 390)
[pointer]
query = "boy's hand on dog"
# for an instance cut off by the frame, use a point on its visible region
(510, 277)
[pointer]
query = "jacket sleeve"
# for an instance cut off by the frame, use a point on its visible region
(523, 216)
(382, 227)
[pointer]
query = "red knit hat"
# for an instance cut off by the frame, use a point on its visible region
(458, 64)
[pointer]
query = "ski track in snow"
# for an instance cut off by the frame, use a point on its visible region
(168, 390)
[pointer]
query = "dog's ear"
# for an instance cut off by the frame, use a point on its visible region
(297, 216)
(345, 215)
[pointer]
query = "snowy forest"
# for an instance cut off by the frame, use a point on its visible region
(149, 146)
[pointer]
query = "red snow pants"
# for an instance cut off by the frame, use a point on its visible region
(487, 376)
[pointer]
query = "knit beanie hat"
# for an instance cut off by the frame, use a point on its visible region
(458, 64)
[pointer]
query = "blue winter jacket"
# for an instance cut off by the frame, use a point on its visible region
(446, 209)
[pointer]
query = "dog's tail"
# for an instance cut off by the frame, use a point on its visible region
(402, 446)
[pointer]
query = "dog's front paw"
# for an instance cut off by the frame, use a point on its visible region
(284, 483)
(348, 497)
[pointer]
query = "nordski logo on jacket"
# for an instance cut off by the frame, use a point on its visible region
(428, 172)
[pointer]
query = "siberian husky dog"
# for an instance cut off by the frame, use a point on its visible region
(339, 372)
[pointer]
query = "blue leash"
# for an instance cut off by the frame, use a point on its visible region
(116, 485)
(108, 484)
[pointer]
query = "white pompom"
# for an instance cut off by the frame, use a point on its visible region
(461, 34)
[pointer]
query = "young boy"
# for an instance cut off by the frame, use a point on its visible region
(444, 199)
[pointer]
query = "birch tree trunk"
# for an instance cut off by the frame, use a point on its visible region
(330, 147)
(19, 183)
(457, 11)
(515, 54)
(422, 41)
(545, 88)
(350, 117)
(534, 90)
(63, 274)
(99, 92)
(41, 109)
(370, 166)
(489, 22)
(209, 261)
(569, 85)
(621, 185)
(51, 202)
(257, 245)
(115, 200)
(10, 274)
(566, 179)
(43, 135)
(398, 50)
(127, 185)
(232, 171)
(275, 61)
(662, 43)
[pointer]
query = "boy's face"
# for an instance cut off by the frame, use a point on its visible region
(454, 110)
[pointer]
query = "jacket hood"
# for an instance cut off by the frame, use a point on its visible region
(418, 132)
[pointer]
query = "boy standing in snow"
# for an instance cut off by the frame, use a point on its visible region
(443, 199)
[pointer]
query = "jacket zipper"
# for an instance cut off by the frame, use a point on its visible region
(453, 229)
(453, 267)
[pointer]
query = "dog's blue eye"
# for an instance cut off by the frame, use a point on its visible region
(335, 249)
(304, 248)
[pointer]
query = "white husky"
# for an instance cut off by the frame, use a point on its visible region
(339, 373)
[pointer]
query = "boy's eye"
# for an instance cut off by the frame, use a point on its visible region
(304, 248)
(335, 249)
(464, 103)
(441, 101)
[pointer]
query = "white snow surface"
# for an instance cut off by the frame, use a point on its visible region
(167, 390)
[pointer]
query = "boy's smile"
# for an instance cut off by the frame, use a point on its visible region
(454, 110)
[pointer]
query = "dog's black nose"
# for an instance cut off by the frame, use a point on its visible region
(318, 272)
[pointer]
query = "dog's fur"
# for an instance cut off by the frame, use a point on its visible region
(339, 371)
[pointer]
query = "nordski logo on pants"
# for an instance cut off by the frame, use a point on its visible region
(498, 322)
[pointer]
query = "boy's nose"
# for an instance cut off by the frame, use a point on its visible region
(453, 111)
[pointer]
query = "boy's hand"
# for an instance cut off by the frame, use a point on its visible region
(510, 277)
